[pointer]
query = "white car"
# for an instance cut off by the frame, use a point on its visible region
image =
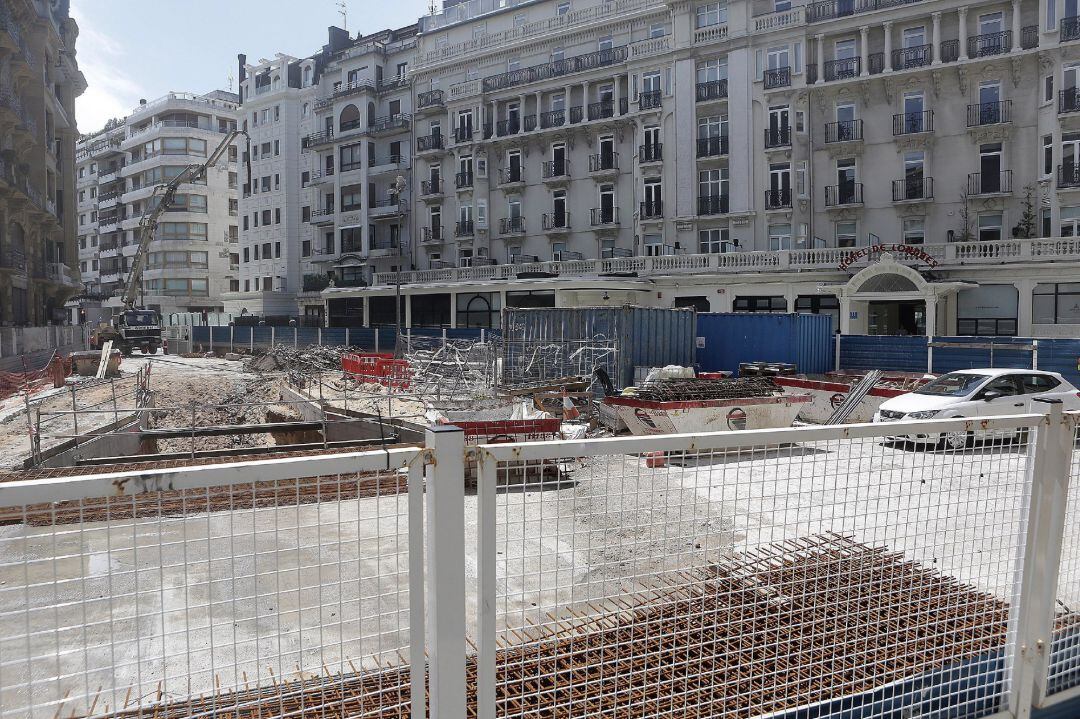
(975, 393)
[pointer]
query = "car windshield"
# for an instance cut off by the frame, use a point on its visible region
(954, 384)
(140, 319)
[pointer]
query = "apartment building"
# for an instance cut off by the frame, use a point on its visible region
(331, 156)
(193, 259)
(903, 167)
(39, 81)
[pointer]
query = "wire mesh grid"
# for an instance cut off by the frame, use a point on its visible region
(852, 573)
(283, 597)
(527, 362)
(1063, 670)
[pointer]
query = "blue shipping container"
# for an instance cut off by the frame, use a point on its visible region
(727, 339)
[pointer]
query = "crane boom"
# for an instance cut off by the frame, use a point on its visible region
(166, 194)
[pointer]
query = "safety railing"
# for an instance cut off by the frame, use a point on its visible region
(912, 567)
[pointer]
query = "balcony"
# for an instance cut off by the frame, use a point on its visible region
(779, 77)
(511, 176)
(489, 130)
(350, 125)
(776, 137)
(843, 69)
(429, 143)
(430, 100)
(949, 50)
(843, 131)
(712, 205)
(778, 199)
(651, 100)
(555, 68)
(991, 43)
(386, 207)
(431, 235)
(913, 123)
(554, 118)
(712, 146)
(555, 223)
(1029, 37)
(909, 58)
(601, 110)
(431, 188)
(913, 189)
(604, 216)
(604, 163)
(463, 133)
(989, 113)
(13, 261)
(464, 228)
(511, 126)
(463, 180)
(1068, 176)
(512, 226)
(1068, 100)
(322, 215)
(653, 210)
(577, 114)
(844, 194)
(317, 138)
(1069, 29)
(711, 90)
(651, 153)
(528, 123)
(556, 171)
(990, 183)
(390, 124)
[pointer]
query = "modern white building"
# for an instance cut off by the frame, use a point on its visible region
(331, 158)
(904, 167)
(193, 260)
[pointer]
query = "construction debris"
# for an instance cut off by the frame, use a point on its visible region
(681, 390)
(297, 362)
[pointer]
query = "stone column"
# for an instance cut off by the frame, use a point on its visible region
(931, 315)
(1015, 25)
(845, 315)
(615, 95)
(864, 50)
(820, 58)
(521, 113)
(887, 58)
(935, 38)
(1024, 314)
(539, 105)
(962, 12)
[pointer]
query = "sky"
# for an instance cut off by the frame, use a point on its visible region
(134, 49)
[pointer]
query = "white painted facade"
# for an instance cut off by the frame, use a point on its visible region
(192, 261)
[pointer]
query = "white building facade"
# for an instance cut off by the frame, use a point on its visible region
(333, 135)
(192, 262)
(905, 168)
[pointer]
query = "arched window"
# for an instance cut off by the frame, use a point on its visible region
(306, 109)
(307, 75)
(888, 283)
(277, 81)
(349, 118)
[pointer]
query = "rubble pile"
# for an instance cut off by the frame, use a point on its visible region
(299, 362)
(242, 401)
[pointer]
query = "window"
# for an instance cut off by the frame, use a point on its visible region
(478, 310)
(305, 248)
(563, 7)
(605, 43)
(351, 157)
(657, 29)
(713, 241)
(846, 235)
(780, 237)
(987, 310)
(990, 227)
(351, 197)
(245, 222)
(277, 215)
(1048, 155)
(247, 254)
(776, 303)
(820, 305)
(266, 215)
(711, 70)
(1051, 14)
(913, 230)
(713, 13)
(1048, 88)
(1056, 304)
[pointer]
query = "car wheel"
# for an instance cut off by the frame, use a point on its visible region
(955, 440)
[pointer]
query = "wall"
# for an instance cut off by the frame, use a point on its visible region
(731, 338)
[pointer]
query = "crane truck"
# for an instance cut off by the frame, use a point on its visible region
(135, 327)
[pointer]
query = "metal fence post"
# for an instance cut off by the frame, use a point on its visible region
(320, 336)
(294, 334)
(376, 339)
(211, 333)
(1039, 558)
(445, 501)
(347, 343)
(417, 634)
(486, 591)
(232, 343)
(273, 334)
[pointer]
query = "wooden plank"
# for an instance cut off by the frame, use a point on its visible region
(103, 363)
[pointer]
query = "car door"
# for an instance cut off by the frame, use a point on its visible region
(1047, 387)
(1011, 401)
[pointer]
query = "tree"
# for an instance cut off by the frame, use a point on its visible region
(1026, 227)
(965, 234)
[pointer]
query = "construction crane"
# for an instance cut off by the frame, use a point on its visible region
(136, 326)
